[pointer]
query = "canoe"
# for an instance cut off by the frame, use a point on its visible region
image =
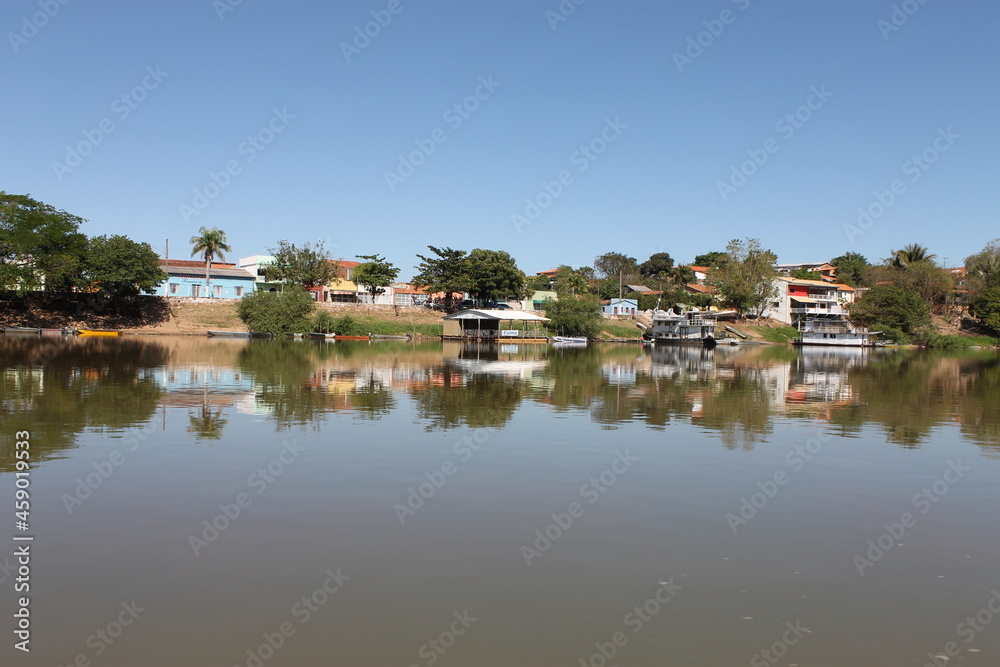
(389, 337)
(339, 337)
(97, 332)
(22, 330)
(229, 334)
(295, 336)
(54, 332)
(569, 339)
(321, 336)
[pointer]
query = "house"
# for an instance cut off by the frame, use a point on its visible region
(700, 274)
(405, 294)
(187, 278)
(255, 264)
(538, 299)
(798, 299)
(612, 307)
(827, 271)
(343, 289)
(695, 288)
(640, 290)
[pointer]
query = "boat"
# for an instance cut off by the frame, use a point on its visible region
(240, 334)
(834, 330)
(54, 332)
(295, 336)
(21, 330)
(339, 337)
(693, 326)
(569, 339)
(390, 337)
(321, 336)
(97, 332)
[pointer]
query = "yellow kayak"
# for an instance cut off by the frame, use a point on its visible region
(97, 332)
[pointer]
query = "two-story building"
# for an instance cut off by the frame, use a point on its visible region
(187, 278)
(798, 300)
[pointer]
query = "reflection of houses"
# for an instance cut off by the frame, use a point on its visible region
(187, 278)
(800, 299)
(489, 325)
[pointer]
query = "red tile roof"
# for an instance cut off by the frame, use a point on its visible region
(194, 264)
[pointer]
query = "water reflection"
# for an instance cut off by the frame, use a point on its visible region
(63, 387)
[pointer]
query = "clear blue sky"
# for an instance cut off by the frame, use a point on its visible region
(676, 128)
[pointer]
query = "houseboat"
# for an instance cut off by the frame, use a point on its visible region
(693, 326)
(834, 330)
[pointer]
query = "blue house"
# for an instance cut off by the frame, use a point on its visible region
(620, 307)
(187, 278)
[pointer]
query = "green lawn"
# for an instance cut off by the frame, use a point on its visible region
(778, 334)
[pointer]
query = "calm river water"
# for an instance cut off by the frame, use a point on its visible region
(212, 502)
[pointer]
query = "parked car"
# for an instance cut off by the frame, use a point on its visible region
(503, 306)
(467, 304)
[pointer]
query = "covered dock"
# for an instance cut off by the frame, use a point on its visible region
(489, 325)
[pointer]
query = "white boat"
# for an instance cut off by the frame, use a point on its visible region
(693, 326)
(834, 330)
(569, 339)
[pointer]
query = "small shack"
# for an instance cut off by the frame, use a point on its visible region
(494, 325)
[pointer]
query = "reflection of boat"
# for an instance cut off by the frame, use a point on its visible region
(833, 330)
(693, 326)
(570, 339)
(21, 330)
(97, 332)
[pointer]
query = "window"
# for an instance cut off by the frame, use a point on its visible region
(402, 299)
(217, 290)
(174, 288)
(195, 290)
(239, 291)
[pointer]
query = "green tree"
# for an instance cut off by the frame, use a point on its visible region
(375, 274)
(746, 278)
(982, 269)
(41, 247)
(711, 260)
(448, 273)
(924, 278)
(613, 264)
(658, 263)
(568, 281)
(538, 283)
(574, 317)
(210, 244)
(986, 307)
(806, 274)
(280, 313)
(888, 307)
(122, 267)
(493, 275)
(301, 266)
(910, 254)
(850, 268)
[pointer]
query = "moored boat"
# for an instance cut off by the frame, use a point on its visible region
(54, 332)
(569, 339)
(339, 337)
(228, 334)
(21, 330)
(693, 326)
(322, 336)
(97, 332)
(834, 330)
(390, 337)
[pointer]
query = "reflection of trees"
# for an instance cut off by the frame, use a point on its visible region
(475, 400)
(206, 424)
(372, 400)
(284, 377)
(56, 388)
(739, 408)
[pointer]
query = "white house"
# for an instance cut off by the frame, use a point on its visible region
(798, 299)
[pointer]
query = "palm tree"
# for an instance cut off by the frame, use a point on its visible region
(910, 254)
(210, 244)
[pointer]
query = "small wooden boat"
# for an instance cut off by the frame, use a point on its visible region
(22, 330)
(322, 336)
(569, 339)
(229, 334)
(390, 337)
(339, 337)
(97, 332)
(295, 336)
(54, 332)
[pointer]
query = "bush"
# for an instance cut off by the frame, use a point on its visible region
(574, 317)
(324, 323)
(277, 312)
(348, 326)
(887, 307)
(986, 307)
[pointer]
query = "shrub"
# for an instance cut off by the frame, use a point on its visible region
(986, 307)
(277, 312)
(574, 317)
(886, 307)
(324, 323)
